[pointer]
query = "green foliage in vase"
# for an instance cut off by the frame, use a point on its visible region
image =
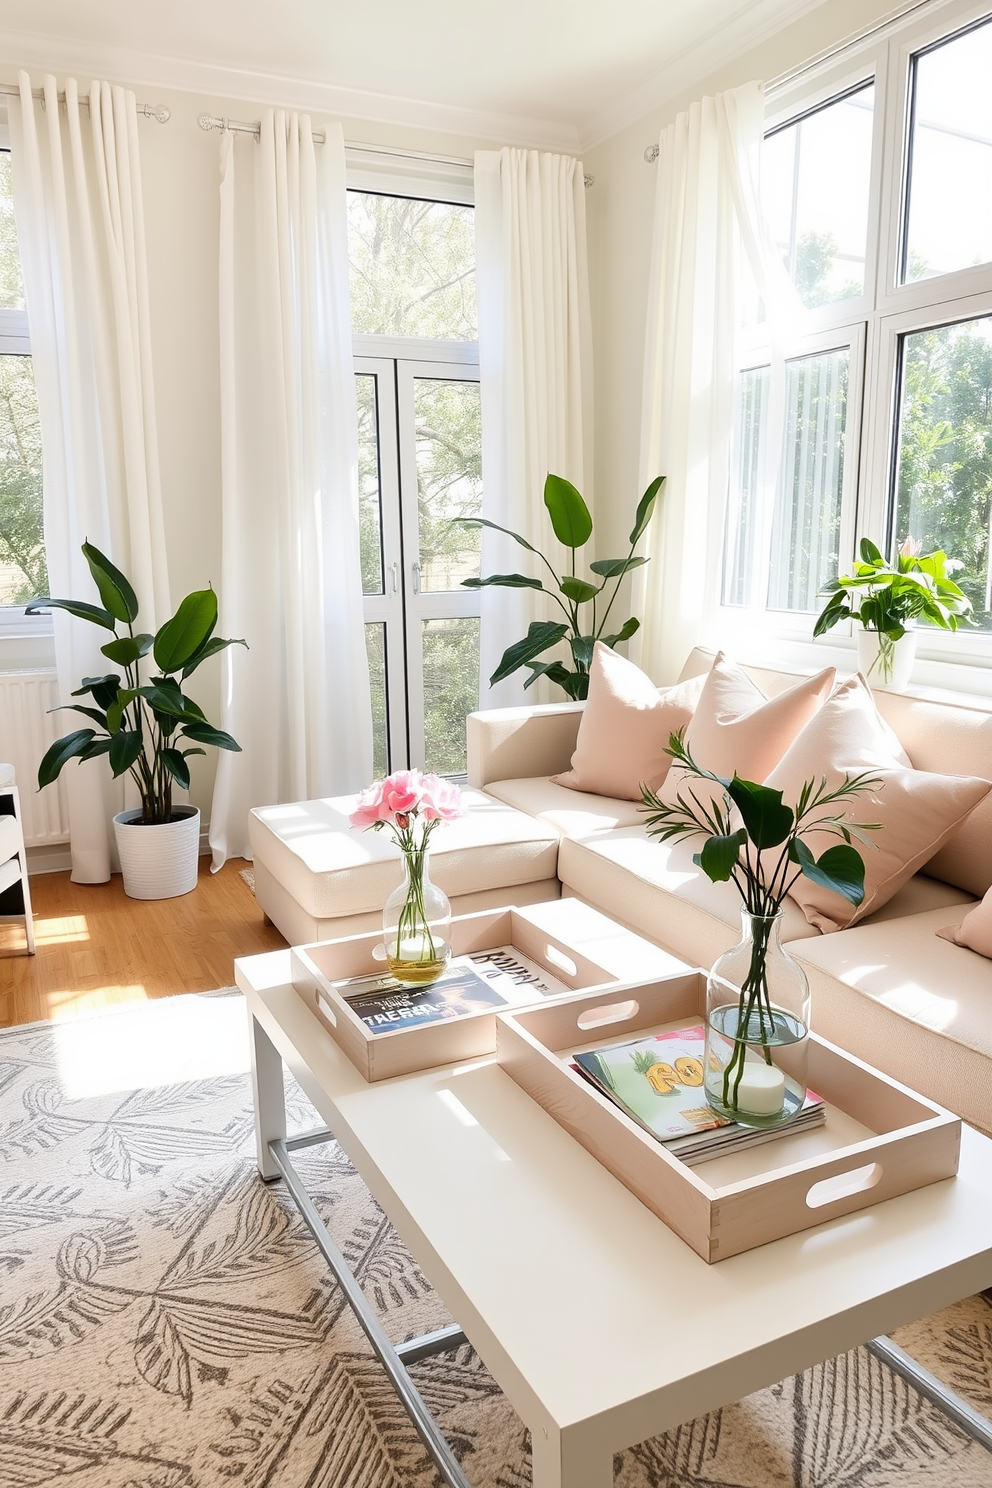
(765, 854)
(886, 596)
(140, 725)
(584, 602)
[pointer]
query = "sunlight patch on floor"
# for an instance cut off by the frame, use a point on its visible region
(62, 930)
(149, 1044)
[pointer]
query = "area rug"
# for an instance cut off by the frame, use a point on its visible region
(165, 1321)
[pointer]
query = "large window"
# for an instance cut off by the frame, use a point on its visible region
(23, 573)
(872, 417)
(420, 466)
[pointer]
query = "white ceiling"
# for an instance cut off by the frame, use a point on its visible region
(548, 72)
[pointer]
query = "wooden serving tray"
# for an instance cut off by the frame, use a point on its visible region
(879, 1140)
(379, 1056)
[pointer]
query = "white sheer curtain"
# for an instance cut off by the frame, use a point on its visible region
(77, 200)
(707, 217)
(536, 370)
(298, 700)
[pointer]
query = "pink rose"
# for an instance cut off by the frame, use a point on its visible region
(441, 800)
(369, 808)
(401, 793)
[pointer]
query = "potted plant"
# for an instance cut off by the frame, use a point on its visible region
(757, 996)
(886, 598)
(140, 725)
(581, 601)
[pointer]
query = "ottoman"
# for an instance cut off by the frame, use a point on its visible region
(318, 879)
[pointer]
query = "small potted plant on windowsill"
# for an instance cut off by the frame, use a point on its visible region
(140, 726)
(887, 598)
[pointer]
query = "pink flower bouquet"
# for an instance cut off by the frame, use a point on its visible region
(416, 915)
(403, 799)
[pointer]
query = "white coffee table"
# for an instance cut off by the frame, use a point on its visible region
(599, 1324)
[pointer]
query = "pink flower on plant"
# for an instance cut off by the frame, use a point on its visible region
(911, 547)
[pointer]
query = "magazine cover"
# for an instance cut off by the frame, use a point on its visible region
(471, 984)
(658, 1080)
(384, 1004)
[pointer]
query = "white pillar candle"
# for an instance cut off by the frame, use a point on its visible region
(416, 948)
(761, 1091)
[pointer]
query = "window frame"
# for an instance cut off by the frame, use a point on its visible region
(398, 361)
(16, 626)
(889, 309)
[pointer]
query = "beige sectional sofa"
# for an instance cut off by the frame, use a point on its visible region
(889, 989)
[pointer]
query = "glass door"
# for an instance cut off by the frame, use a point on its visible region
(420, 466)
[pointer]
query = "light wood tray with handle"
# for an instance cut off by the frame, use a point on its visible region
(879, 1140)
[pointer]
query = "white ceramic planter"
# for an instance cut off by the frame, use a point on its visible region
(887, 669)
(158, 862)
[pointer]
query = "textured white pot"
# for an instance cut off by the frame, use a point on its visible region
(886, 668)
(158, 862)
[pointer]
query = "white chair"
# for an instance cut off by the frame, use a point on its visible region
(15, 894)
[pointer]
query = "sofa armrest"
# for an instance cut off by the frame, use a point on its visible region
(518, 743)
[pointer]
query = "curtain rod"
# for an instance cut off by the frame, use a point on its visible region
(147, 110)
(786, 79)
(215, 121)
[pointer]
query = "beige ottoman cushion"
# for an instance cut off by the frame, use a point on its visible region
(331, 871)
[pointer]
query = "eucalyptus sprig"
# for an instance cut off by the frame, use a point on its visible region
(746, 854)
(735, 853)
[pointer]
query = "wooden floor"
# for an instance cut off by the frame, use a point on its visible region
(96, 947)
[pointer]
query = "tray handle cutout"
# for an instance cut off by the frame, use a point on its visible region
(615, 1012)
(843, 1185)
(324, 1008)
(560, 961)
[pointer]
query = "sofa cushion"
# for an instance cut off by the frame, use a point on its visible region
(898, 996)
(571, 813)
(975, 930)
(937, 732)
(736, 728)
(332, 870)
(625, 728)
(918, 810)
(656, 889)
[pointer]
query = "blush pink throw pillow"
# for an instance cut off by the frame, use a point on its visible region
(625, 728)
(918, 810)
(736, 728)
(975, 930)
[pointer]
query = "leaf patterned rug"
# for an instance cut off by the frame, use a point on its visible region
(165, 1321)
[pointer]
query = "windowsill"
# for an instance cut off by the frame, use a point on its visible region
(27, 642)
(934, 679)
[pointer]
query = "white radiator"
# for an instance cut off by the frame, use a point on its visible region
(26, 731)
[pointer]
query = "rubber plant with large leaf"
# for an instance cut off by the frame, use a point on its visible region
(584, 603)
(141, 726)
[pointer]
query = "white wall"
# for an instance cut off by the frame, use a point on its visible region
(620, 207)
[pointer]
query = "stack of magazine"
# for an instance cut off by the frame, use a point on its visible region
(658, 1082)
(474, 983)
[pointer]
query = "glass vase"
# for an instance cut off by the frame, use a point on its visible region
(757, 1028)
(416, 922)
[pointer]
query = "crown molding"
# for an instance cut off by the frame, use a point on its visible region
(263, 89)
(752, 25)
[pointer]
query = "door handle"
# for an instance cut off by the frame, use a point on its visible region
(394, 575)
(415, 573)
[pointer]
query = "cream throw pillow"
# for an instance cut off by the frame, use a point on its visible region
(918, 810)
(736, 728)
(975, 930)
(625, 728)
